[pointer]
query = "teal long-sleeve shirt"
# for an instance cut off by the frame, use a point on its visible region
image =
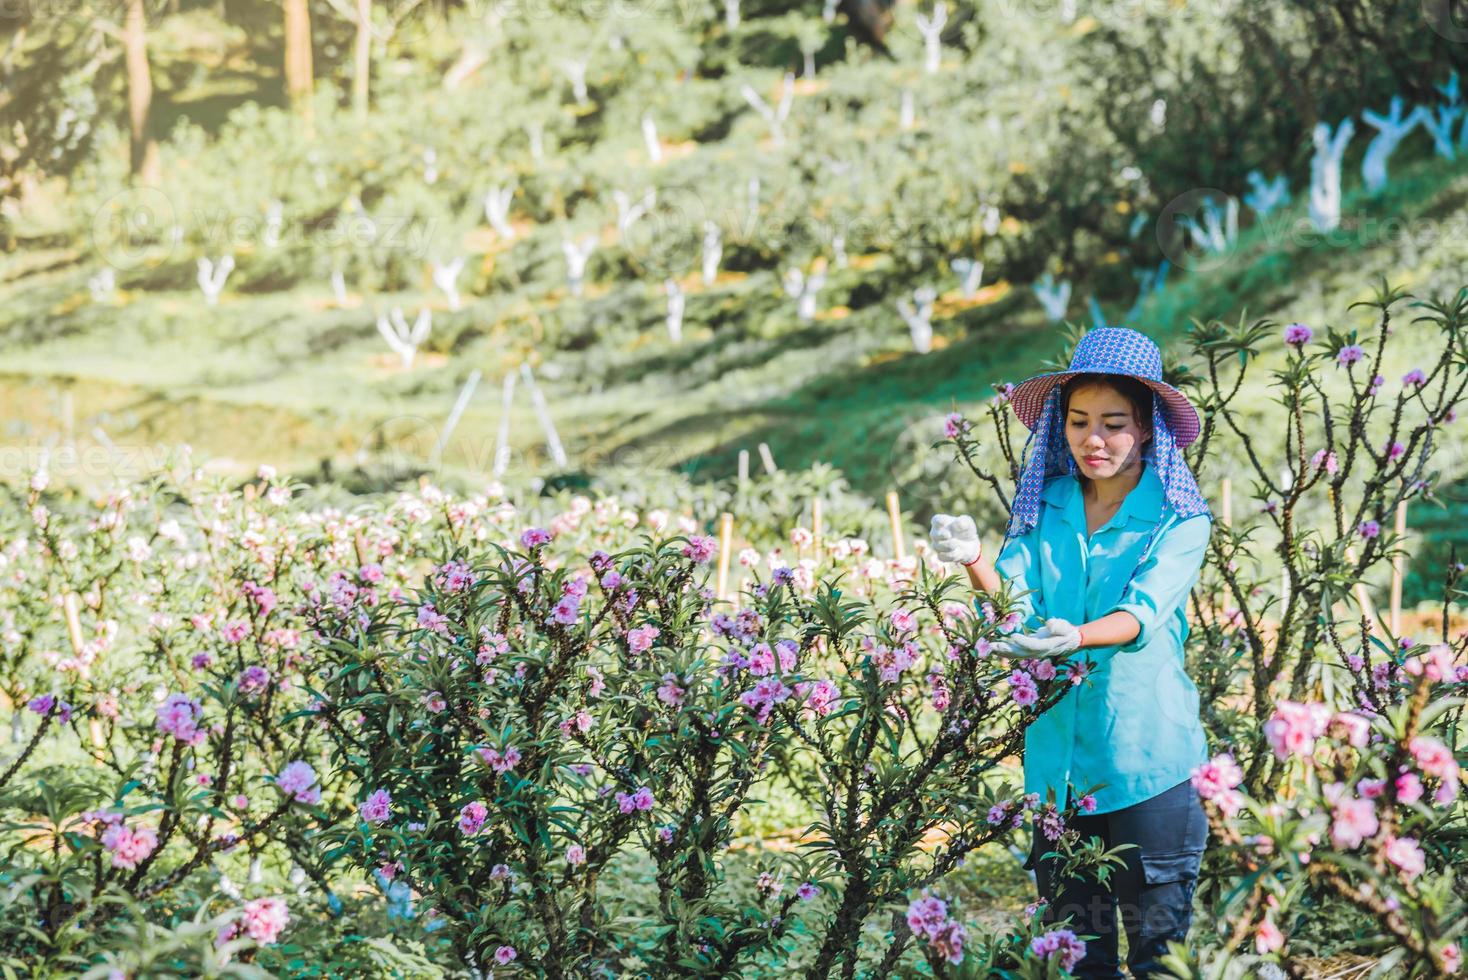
(1134, 727)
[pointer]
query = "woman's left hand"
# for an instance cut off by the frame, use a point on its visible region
(1055, 638)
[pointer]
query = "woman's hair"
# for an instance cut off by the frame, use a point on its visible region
(1135, 392)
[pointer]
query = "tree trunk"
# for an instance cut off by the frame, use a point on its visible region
(364, 57)
(144, 149)
(298, 71)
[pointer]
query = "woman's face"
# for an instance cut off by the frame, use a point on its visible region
(1102, 431)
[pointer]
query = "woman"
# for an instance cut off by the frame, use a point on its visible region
(1109, 530)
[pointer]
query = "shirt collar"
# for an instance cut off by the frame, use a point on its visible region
(1144, 503)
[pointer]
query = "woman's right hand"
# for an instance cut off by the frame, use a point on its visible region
(954, 539)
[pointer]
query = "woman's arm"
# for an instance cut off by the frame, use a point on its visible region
(1113, 629)
(981, 574)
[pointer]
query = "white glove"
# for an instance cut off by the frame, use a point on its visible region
(1056, 638)
(954, 539)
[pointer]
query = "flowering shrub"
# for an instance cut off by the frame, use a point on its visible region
(248, 730)
(520, 730)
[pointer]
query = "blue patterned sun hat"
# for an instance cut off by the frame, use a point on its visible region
(1105, 350)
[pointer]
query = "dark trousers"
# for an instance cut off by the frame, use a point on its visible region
(1152, 896)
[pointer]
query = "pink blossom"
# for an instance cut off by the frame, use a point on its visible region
(1415, 377)
(566, 610)
(377, 808)
(1298, 334)
(1436, 662)
(761, 660)
(179, 716)
(534, 537)
(1022, 689)
(1217, 775)
(431, 619)
(254, 679)
(1395, 451)
(1368, 529)
(1451, 958)
(434, 701)
(575, 854)
(926, 913)
(669, 692)
(1433, 757)
(129, 846)
(1268, 938)
(298, 781)
(1293, 728)
(641, 799)
(700, 549)
(820, 697)
(504, 954)
(1407, 855)
(1409, 787)
(903, 622)
(765, 694)
(1061, 944)
(1349, 354)
(788, 653)
(1321, 458)
(806, 891)
(1350, 727)
(472, 817)
(1352, 822)
(639, 640)
(235, 631)
(1088, 803)
(265, 919)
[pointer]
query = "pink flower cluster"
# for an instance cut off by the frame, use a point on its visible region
(700, 549)
(377, 808)
(1294, 727)
(892, 661)
(927, 917)
(1061, 945)
(641, 799)
(1022, 689)
(129, 846)
(298, 781)
(1215, 780)
(819, 696)
(670, 692)
(472, 817)
(1436, 759)
(639, 640)
(500, 762)
(265, 919)
(762, 698)
(179, 715)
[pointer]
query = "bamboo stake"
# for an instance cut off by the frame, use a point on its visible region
(894, 514)
(767, 459)
(70, 607)
(743, 467)
(726, 537)
(1399, 562)
(815, 526)
(1228, 502)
